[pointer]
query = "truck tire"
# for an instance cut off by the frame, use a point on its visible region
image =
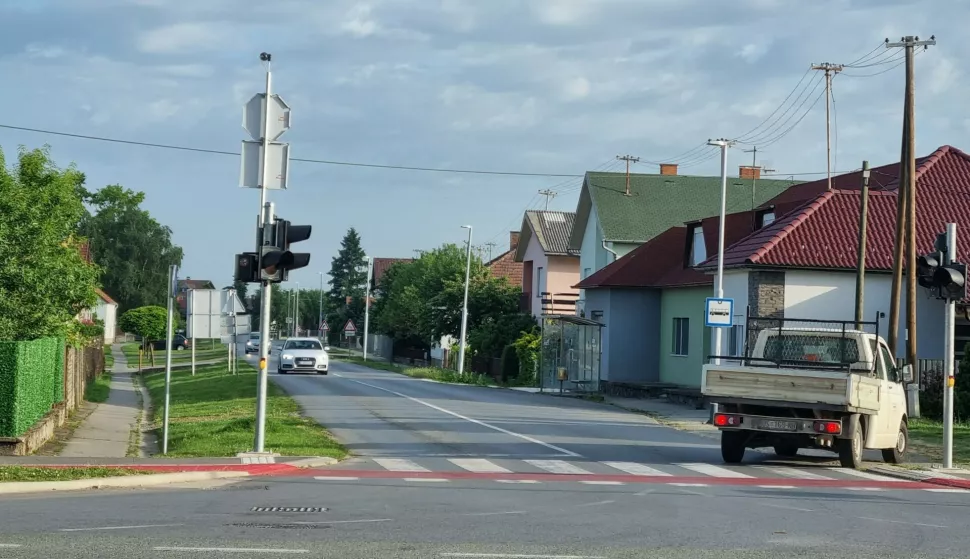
(850, 450)
(732, 446)
(897, 454)
(786, 449)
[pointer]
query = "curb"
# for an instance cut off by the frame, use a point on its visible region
(313, 462)
(105, 482)
(922, 476)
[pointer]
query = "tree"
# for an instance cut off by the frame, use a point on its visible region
(348, 279)
(44, 281)
(133, 249)
(242, 290)
(148, 322)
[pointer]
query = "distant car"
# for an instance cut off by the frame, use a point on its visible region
(252, 344)
(179, 343)
(304, 354)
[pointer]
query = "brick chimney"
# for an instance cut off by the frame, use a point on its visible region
(513, 240)
(749, 172)
(668, 168)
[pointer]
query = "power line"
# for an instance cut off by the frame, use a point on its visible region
(770, 134)
(901, 60)
(316, 161)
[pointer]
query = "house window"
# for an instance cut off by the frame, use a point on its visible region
(698, 250)
(681, 336)
(767, 218)
(539, 282)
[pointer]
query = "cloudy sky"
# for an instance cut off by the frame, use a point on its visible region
(529, 86)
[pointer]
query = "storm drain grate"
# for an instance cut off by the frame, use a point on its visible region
(290, 509)
(278, 526)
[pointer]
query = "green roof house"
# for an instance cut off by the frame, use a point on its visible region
(611, 222)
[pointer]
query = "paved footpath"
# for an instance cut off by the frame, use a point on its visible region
(105, 433)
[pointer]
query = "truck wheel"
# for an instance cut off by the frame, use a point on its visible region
(786, 449)
(850, 450)
(732, 446)
(897, 454)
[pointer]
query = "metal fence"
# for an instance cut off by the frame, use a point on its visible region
(571, 345)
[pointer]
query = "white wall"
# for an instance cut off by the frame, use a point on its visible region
(831, 296)
(108, 314)
(539, 259)
(736, 287)
(591, 254)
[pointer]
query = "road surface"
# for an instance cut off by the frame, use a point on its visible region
(463, 471)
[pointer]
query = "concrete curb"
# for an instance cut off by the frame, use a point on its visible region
(104, 482)
(923, 476)
(314, 462)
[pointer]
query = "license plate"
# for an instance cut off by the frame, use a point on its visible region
(778, 425)
(304, 361)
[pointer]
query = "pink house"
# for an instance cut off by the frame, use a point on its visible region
(549, 269)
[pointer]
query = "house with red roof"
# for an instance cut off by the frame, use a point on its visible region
(549, 268)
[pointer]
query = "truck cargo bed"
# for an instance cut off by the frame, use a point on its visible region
(831, 388)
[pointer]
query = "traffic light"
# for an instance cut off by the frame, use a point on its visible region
(947, 281)
(247, 268)
(275, 258)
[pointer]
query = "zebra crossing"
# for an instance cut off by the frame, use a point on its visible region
(441, 469)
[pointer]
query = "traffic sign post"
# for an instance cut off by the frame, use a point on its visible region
(718, 312)
(350, 329)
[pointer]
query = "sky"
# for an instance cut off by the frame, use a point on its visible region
(553, 87)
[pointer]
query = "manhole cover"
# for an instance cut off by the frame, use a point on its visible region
(290, 509)
(278, 526)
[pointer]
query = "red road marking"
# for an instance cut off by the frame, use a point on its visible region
(626, 478)
(252, 469)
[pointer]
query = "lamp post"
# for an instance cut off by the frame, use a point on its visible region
(370, 268)
(464, 308)
(320, 318)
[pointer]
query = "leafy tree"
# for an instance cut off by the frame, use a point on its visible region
(44, 281)
(242, 291)
(148, 322)
(134, 250)
(348, 279)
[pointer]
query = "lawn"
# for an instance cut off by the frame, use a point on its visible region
(31, 473)
(433, 373)
(213, 414)
(926, 438)
(109, 360)
(184, 356)
(97, 390)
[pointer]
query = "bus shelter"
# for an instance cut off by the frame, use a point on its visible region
(569, 356)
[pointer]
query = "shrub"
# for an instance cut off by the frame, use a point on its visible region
(31, 381)
(527, 350)
(510, 363)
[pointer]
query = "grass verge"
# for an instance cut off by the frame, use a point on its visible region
(926, 438)
(433, 373)
(32, 473)
(97, 390)
(212, 414)
(184, 356)
(109, 359)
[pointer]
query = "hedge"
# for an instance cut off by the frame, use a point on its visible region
(31, 381)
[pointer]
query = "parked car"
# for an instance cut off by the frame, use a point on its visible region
(304, 354)
(179, 343)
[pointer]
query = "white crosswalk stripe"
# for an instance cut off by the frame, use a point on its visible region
(399, 465)
(479, 465)
(557, 467)
(636, 469)
(712, 470)
(863, 475)
(793, 473)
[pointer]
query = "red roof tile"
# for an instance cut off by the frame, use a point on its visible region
(104, 297)
(823, 233)
(381, 266)
(505, 266)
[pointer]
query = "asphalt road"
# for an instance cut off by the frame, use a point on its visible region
(458, 472)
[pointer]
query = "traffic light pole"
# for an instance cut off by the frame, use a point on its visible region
(264, 345)
(948, 349)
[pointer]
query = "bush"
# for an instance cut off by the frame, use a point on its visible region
(527, 350)
(931, 393)
(510, 363)
(31, 381)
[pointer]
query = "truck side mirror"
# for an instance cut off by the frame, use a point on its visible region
(907, 372)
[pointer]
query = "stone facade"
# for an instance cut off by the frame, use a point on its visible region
(766, 294)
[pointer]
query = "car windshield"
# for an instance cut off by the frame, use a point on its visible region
(302, 344)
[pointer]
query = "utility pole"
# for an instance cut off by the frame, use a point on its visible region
(719, 285)
(829, 70)
(628, 159)
(550, 194)
(490, 245)
(860, 276)
(906, 203)
(464, 307)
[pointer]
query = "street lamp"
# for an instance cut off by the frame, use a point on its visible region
(464, 308)
(719, 287)
(296, 311)
(370, 268)
(320, 318)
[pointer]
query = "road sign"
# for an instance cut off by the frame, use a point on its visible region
(324, 326)
(207, 314)
(277, 163)
(349, 328)
(719, 313)
(277, 123)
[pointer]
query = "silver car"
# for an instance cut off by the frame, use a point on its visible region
(304, 354)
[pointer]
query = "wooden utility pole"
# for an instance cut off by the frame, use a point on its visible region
(829, 70)
(550, 194)
(490, 245)
(860, 275)
(628, 159)
(906, 203)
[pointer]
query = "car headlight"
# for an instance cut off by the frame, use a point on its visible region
(287, 357)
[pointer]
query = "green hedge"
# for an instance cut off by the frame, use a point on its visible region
(31, 381)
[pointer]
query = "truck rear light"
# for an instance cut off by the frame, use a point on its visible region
(828, 427)
(726, 420)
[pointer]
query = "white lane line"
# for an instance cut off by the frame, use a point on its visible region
(232, 549)
(776, 486)
(118, 527)
(712, 470)
(900, 522)
(478, 465)
(689, 484)
(597, 482)
(9, 545)
(466, 418)
(335, 478)
(493, 513)
(521, 556)
(793, 473)
(345, 521)
(864, 488)
(517, 480)
(862, 474)
(399, 465)
(636, 469)
(428, 479)
(786, 507)
(596, 504)
(557, 466)
(946, 490)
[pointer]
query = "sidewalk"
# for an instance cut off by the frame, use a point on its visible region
(106, 432)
